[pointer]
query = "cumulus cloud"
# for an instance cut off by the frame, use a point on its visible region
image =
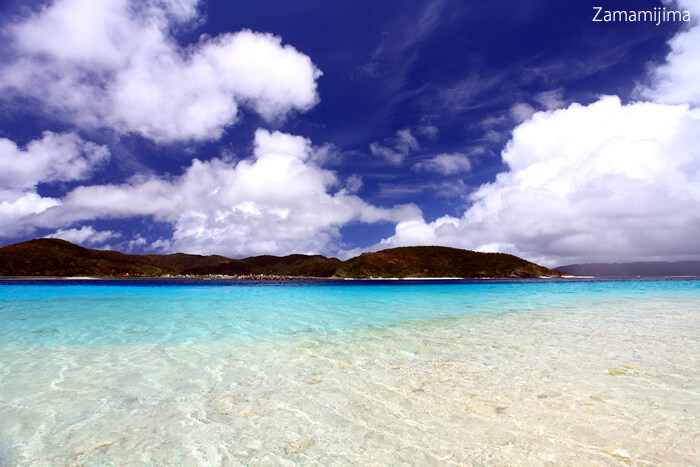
(403, 144)
(85, 235)
(116, 63)
(17, 206)
(445, 164)
(602, 182)
(676, 81)
(53, 158)
(276, 202)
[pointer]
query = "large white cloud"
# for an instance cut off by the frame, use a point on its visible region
(588, 183)
(277, 202)
(53, 158)
(676, 81)
(602, 182)
(15, 207)
(116, 63)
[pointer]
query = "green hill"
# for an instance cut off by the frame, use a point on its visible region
(437, 261)
(54, 257)
(179, 263)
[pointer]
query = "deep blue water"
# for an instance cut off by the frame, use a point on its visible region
(164, 312)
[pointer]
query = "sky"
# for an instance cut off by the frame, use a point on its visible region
(275, 127)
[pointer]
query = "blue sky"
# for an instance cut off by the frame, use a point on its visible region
(277, 127)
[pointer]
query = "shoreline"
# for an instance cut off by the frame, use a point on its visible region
(275, 278)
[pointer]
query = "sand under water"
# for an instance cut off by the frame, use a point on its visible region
(528, 373)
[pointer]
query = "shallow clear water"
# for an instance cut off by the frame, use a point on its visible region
(475, 372)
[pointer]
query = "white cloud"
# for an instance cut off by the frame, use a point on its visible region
(445, 164)
(602, 182)
(521, 111)
(353, 184)
(53, 158)
(16, 206)
(551, 100)
(136, 243)
(115, 63)
(404, 143)
(85, 235)
(276, 202)
(390, 155)
(429, 131)
(326, 155)
(676, 82)
(162, 245)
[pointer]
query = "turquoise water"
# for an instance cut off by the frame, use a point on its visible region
(92, 313)
(190, 373)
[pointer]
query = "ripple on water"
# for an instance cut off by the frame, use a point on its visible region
(561, 384)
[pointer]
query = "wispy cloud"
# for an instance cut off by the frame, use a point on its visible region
(445, 164)
(397, 148)
(86, 235)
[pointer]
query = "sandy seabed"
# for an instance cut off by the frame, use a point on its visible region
(544, 387)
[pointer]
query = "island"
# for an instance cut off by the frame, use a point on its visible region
(50, 257)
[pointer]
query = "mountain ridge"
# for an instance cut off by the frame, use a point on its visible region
(56, 257)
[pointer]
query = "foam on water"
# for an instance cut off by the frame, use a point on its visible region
(476, 373)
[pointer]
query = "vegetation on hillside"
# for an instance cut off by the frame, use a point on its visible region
(435, 261)
(54, 257)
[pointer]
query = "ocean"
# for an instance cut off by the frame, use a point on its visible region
(533, 372)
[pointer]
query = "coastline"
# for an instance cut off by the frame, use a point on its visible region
(264, 277)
